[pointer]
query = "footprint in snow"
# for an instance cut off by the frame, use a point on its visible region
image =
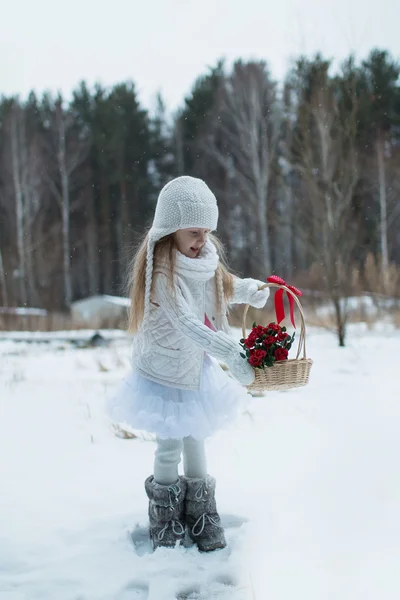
(134, 590)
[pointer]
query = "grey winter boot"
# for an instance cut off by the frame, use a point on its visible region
(202, 518)
(166, 512)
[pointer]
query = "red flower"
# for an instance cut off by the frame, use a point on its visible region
(282, 336)
(269, 340)
(274, 327)
(281, 354)
(259, 330)
(257, 357)
(250, 340)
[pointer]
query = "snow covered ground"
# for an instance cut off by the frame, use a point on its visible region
(308, 483)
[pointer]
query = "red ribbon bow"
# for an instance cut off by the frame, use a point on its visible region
(279, 307)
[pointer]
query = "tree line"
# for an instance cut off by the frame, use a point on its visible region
(307, 176)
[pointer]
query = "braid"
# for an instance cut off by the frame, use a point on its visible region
(149, 277)
(220, 287)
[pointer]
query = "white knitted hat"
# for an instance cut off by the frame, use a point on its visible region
(184, 202)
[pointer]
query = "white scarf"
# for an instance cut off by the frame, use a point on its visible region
(201, 268)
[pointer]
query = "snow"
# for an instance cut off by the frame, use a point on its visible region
(23, 311)
(98, 309)
(308, 483)
(119, 300)
(103, 298)
(56, 336)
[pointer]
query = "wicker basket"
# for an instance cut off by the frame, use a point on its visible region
(286, 374)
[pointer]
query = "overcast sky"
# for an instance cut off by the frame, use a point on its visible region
(163, 45)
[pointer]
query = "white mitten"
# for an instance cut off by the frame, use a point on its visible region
(257, 297)
(240, 368)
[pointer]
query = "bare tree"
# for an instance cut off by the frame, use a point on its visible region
(33, 201)
(327, 162)
(381, 76)
(3, 283)
(65, 201)
(7, 214)
(380, 155)
(22, 198)
(68, 152)
(382, 185)
(394, 213)
(16, 126)
(286, 179)
(249, 122)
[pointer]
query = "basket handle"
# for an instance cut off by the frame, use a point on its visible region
(302, 340)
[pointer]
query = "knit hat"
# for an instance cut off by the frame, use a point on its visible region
(184, 202)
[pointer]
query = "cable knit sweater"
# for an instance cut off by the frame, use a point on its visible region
(169, 348)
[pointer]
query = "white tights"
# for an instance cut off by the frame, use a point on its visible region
(168, 456)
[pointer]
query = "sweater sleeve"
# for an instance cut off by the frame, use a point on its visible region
(245, 289)
(219, 344)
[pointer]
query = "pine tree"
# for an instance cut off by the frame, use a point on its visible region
(381, 121)
(163, 164)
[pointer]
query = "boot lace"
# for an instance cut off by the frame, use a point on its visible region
(201, 491)
(174, 492)
(201, 522)
(174, 525)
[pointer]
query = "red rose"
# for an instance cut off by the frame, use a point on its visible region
(282, 336)
(269, 340)
(281, 354)
(257, 357)
(250, 340)
(259, 330)
(274, 327)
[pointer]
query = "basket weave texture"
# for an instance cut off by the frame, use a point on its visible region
(285, 374)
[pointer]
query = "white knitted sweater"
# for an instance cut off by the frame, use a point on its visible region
(169, 348)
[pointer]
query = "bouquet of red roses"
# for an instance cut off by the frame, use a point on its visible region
(266, 345)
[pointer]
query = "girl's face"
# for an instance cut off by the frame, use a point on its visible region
(190, 241)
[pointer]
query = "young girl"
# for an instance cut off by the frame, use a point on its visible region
(180, 292)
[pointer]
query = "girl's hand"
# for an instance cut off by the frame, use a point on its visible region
(240, 369)
(257, 297)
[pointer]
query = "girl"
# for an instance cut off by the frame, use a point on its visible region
(180, 291)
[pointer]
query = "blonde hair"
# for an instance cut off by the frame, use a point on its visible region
(164, 250)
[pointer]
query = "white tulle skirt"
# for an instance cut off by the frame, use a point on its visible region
(174, 413)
